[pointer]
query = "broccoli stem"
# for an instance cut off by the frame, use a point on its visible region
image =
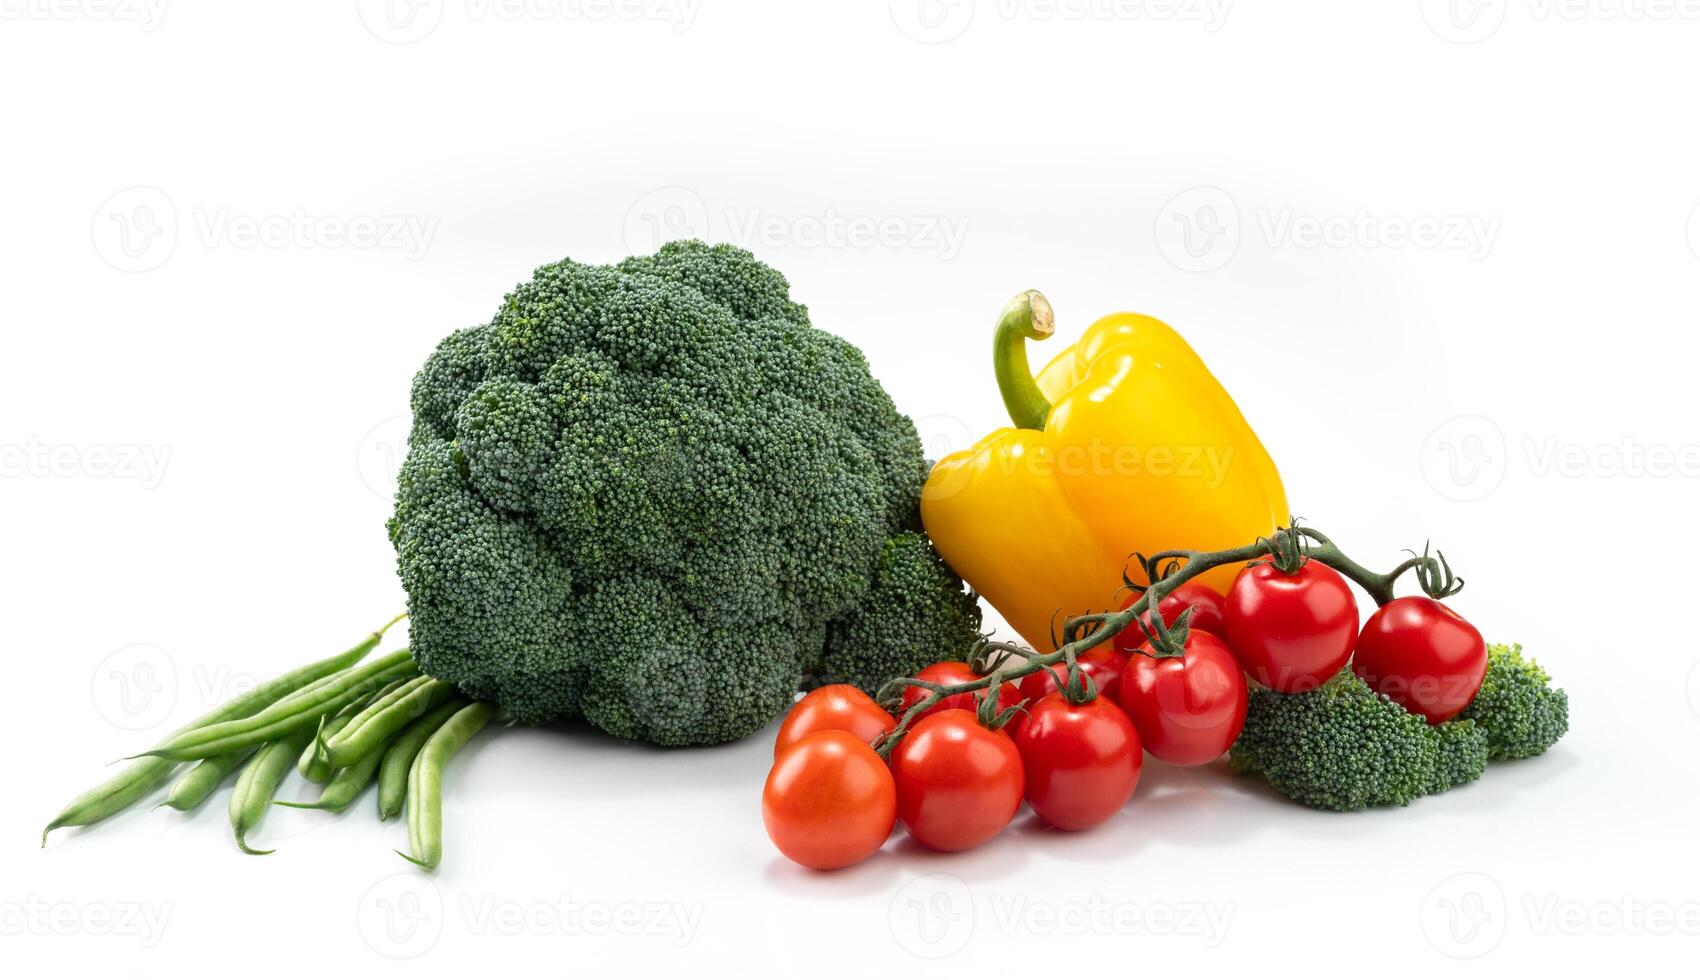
(1026, 317)
(999, 662)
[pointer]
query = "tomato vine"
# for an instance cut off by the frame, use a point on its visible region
(998, 662)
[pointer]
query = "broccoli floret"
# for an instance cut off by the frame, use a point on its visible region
(1519, 709)
(1461, 755)
(912, 615)
(1340, 746)
(654, 497)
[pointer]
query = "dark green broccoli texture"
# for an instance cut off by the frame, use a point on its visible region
(1344, 747)
(653, 496)
(1522, 713)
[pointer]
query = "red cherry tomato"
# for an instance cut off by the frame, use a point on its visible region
(1292, 631)
(958, 782)
(1422, 655)
(953, 672)
(1208, 610)
(829, 802)
(1187, 709)
(833, 708)
(1101, 663)
(1082, 761)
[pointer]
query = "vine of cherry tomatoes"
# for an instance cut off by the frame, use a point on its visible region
(832, 800)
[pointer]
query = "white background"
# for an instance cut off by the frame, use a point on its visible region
(232, 232)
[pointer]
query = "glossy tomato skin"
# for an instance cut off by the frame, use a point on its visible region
(1101, 663)
(958, 783)
(830, 801)
(1291, 631)
(1081, 761)
(1422, 655)
(833, 708)
(1187, 709)
(953, 672)
(1209, 611)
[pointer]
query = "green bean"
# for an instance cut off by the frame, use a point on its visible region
(398, 758)
(289, 715)
(315, 766)
(145, 775)
(384, 717)
(425, 782)
(347, 784)
(203, 777)
(258, 781)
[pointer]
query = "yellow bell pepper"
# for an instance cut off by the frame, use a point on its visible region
(1124, 443)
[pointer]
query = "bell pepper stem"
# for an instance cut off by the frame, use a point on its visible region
(1026, 317)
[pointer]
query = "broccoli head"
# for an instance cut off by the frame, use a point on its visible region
(1340, 746)
(1461, 755)
(653, 496)
(1517, 706)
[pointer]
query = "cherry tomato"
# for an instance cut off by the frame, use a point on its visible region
(1208, 611)
(1187, 709)
(834, 708)
(953, 672)
(1101, 663)
(1422, 655)
(1082, 760)
(1292, 631)
(829, 801)
(958, 782)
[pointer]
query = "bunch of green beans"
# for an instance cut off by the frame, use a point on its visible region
(343, 721)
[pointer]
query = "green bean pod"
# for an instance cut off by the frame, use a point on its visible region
(289, 715)
(384, 717)
(425, 782)
(346, 785)
(398, 758)
(193, 788)
(259, 780)
(315, 766)
(143, 776)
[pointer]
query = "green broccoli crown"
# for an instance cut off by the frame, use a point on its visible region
(1519, 709)
(652, 496)
(1340, 746)
(1461, 755)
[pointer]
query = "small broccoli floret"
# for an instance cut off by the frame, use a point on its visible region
(653, 496)
(915, 612)
(1340, 746)
(1461, 755)
(1522, 714)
